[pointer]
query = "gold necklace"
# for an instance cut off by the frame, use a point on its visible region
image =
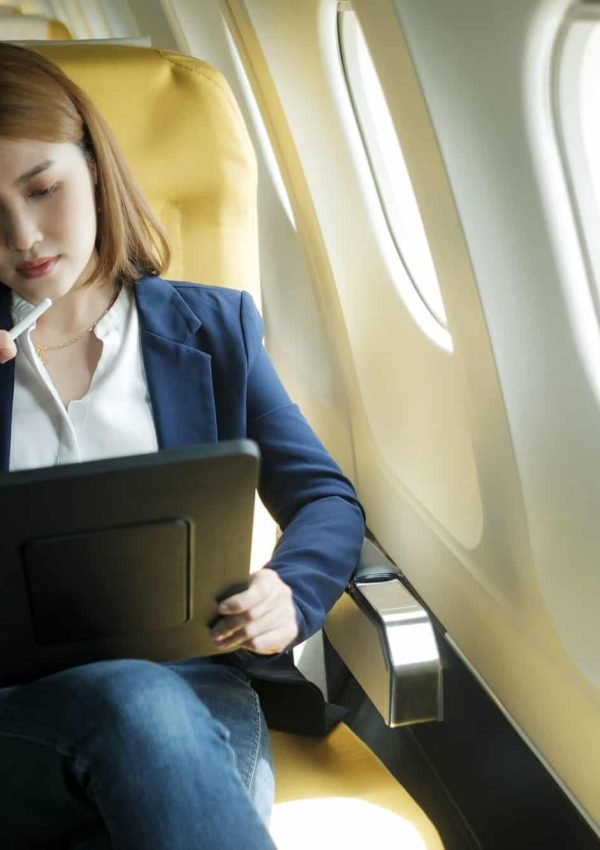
(41, 350)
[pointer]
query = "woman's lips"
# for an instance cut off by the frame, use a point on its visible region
(38, 268)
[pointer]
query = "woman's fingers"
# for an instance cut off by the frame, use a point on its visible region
(8, 349)
(263, 584)
(245, 630)
(261, 618)
(265, 592)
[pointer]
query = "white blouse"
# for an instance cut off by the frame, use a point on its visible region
(113, 418)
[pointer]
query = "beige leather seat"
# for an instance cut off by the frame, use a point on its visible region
(183, 134)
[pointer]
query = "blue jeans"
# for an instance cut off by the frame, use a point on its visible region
(134, 755)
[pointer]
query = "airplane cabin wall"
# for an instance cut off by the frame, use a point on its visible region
(489, 85)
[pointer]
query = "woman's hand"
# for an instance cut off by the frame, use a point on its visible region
(8, 349)
(261, 618)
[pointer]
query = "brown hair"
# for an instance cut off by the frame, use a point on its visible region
(39, 102)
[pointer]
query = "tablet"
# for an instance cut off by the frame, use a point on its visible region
(122, 558)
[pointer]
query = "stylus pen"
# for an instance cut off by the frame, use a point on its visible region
(30, 318)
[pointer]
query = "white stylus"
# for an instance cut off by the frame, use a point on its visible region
(30, 318)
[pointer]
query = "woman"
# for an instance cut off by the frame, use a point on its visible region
(130, 753)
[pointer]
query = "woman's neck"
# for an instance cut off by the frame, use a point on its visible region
(78, 309)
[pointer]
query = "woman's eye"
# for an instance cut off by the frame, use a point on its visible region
(45, 192)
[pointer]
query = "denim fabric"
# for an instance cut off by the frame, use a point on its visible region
(134, 755)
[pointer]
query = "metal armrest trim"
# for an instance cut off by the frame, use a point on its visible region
(386, 639)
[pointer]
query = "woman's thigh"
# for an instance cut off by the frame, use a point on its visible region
(228, 695)
(42, 725)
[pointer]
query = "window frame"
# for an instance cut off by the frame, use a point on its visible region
(567, 65)
(349, 32)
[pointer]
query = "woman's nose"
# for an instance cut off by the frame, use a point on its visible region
(19, 230)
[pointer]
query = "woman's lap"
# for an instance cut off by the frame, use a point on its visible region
(234, 702)
(50, 743)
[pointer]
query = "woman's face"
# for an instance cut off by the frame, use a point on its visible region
(47, 218)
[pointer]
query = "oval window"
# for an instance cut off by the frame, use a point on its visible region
(387, 164)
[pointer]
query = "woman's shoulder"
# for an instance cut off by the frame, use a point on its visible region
(204, 296)
(220, 309)
(205, 293)
(222, 301)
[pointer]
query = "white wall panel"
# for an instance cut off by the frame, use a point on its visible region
(486, 73)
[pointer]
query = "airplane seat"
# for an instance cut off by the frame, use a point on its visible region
(183, 134)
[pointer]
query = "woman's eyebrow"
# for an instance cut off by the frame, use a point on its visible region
(37, 169)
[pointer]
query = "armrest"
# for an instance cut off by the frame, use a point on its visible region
(385, 638)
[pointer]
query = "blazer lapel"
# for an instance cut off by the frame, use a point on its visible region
(7, 383)
(178, 373)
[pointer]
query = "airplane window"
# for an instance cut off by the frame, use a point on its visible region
(387, 163)
(578, 65)
(590, 114)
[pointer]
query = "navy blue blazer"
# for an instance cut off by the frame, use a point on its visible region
(209, 379)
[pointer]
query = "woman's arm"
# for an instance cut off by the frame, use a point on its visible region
(313, 503)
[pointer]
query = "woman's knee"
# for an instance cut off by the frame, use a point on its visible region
(139, 698)
(127, 698)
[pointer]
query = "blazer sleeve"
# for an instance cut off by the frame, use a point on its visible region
(302, 487)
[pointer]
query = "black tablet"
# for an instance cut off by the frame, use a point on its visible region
(122, 558)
